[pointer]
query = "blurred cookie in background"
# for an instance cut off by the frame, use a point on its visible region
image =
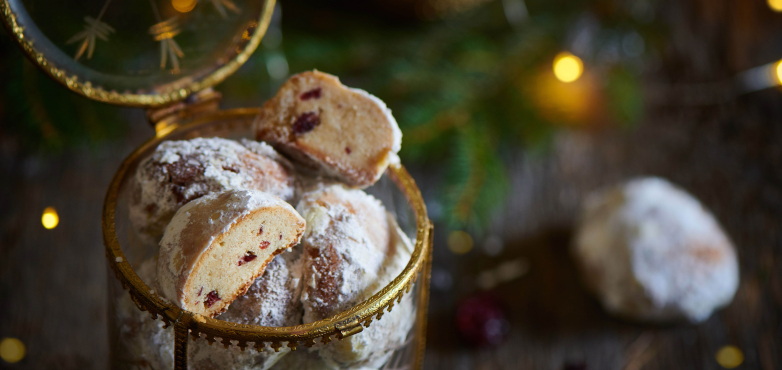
(651, 252)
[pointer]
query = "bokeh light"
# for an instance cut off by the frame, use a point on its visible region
(779, 71)
(183, 6)
(567, 67)
(729, 357)
(578, 103)
(50, 219)
(460, 242)
(775, 5)
(12, 350)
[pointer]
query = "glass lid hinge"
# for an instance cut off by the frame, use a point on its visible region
(348, 327)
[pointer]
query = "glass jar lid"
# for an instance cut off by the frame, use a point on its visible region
(147, 53)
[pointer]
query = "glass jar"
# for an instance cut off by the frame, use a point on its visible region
(168, 66)
(137, 339)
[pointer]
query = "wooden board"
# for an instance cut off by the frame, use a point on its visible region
(730, 157)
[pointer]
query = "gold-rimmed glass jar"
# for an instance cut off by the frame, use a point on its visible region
(396, 189)
(186, 58)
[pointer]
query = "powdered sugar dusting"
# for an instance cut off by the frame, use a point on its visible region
(263, 149)
(273, 299)
(181, 171)
(202, 355)
(345, 245)
(145, 342)
(375, 344)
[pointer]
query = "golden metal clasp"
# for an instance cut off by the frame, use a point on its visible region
(348, 327)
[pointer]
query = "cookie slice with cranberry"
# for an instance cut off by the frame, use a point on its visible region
(180, 171)
(217, 245)
(345, 133)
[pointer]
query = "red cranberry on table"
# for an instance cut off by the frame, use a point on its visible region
(481, 320)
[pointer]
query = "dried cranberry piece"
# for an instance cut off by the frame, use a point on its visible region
(151, 208)
(280, 236)
(348, 150)
(200, 291)
(264, 244)
(181, 173)
(306, 123)
(247, 258)
(180, 196)
(231, 168)
(312, 94)
(260, 231)
(211, 298)
(482, 321)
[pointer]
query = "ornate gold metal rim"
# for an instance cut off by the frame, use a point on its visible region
(341, 325)
(152, 100)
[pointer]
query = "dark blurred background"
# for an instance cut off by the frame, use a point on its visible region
(502, 144)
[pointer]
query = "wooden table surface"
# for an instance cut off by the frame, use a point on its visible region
(727, 157)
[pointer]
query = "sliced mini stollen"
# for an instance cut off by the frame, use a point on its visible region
(325, 126)
(216, 246)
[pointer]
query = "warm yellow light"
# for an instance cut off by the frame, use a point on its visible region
(183, 6)
(567, 67)
(729, 357)
(50, 218)
(12, 350)
(460, 242)
(779, 71)
(775, 5)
